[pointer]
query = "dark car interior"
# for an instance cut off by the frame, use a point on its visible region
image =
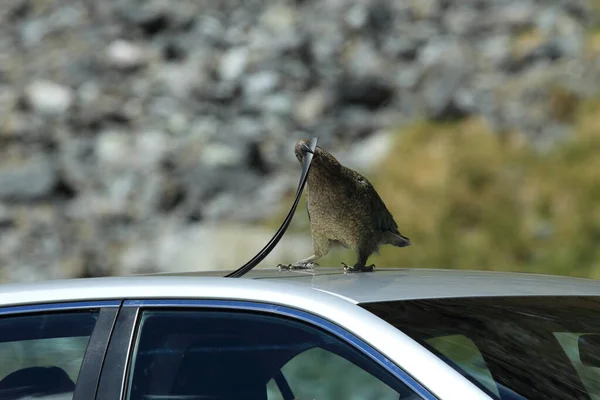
(37, 381)
(223, 356)
(516, 338)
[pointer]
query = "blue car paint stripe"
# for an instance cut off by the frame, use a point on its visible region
(301, 315)
(58, 306)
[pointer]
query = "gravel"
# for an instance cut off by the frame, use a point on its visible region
(129, 122)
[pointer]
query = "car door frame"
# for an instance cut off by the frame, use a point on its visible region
(95, 353)
(115, 371)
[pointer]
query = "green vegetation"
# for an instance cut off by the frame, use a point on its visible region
(472, 199)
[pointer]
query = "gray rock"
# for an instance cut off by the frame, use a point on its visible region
(210, 27)
(408, 77)
(16, 124)
(364, 60)
(381, 16)
(150, 149)
(48, 98)
(425, 30)
(279, 18)
(178, 123)
(365, 155)
(426, 9)
(260, 83)
(32, 32)
(555, 21)
(278, 103)
(356, 124)
(219, 155)
(370, 92)
(6, 218)
(181, 78)
(114, 149)
(88, 93)
(29, 179)
(233, 63)
(125, 55)
(548, 51)
(572, 46)
(247, 127)
(76, 163)
(311, 107)
(8, 99)
(440, 88)
(180, 249)
(357, 16)
(495, 50)
(154, 17)
(461, 20)
(403, 48)
(443, 50)
(509, 16)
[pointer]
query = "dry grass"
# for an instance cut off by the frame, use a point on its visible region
(592, 44)
(471, 199)
(563, 103)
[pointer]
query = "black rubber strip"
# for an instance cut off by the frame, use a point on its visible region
(284, 386)
(244, 269)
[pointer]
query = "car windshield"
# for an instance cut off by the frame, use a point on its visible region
(511, 347)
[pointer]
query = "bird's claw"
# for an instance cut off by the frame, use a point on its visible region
(358, 267)
(298, 266)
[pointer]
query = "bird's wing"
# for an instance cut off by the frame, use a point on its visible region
(383, 221)
(382, 218)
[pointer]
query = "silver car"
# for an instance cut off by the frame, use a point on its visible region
(392, 334)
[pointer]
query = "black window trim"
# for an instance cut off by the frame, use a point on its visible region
(89, 373)
(59, 306)
(113, 376)
(113, 380)
(93, 360)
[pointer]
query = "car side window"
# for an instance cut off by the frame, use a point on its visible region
(204, 354)
(321, 374)
(465, 353)
(589, 375)
(40, 355)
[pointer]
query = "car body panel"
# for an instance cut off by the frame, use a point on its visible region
(443, 381)
(408, 285)
(327, 293)
(383, 285)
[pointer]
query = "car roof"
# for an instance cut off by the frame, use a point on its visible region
(390, 284)
(385, 284)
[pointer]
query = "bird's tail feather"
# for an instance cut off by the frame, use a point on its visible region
(397, 239)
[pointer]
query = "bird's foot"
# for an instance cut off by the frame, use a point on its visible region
(358, 267)
(300, 265)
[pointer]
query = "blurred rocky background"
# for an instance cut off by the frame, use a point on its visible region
(140, 136)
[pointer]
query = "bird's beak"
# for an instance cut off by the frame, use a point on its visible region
(306, 147)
